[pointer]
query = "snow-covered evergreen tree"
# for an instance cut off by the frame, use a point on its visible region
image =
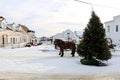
(93, 46)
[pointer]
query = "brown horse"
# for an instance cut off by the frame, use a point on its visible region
(63, 45)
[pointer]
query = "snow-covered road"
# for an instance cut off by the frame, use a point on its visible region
(43, 62)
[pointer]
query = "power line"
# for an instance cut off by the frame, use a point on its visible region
(96, 4)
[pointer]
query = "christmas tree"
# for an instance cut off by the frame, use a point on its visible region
(93, 46)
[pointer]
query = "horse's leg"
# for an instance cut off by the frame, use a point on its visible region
(62, 52)
(73, 52)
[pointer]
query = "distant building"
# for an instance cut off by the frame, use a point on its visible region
(112, 29)
(44, 38)
(67, 35)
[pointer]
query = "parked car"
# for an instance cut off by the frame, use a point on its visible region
(39, 43)
(28, 45)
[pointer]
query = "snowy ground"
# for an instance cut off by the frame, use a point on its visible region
(43, 62)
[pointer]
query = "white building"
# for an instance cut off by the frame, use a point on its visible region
(67, 35)
(113, 29)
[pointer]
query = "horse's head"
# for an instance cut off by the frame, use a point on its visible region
(57, 43)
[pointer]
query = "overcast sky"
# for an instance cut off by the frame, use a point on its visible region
(49, 17)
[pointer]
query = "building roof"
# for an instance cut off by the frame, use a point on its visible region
(8, 28)
(112, 20)
(26, 28)
(2, 18)
(31, 31)
(108, 21)
(116, 16)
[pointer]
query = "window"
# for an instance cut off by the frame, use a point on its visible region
(68, 33)
(116, 28)
(11, 40)
(108, 29)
